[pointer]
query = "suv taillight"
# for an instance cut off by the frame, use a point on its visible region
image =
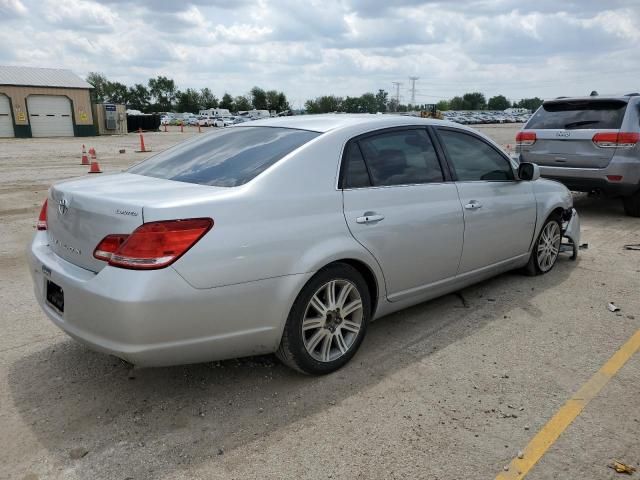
(616, 139)
(152, 245)
(42, 218)
(526, 139)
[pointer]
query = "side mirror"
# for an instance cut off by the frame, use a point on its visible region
(528, 171)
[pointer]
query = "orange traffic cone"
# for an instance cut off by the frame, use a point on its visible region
(142, 147)
(92, 153)
(181, 127)
(165, 128)
(95, 168)
(85, 159)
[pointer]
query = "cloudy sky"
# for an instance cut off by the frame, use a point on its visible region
(308, 48)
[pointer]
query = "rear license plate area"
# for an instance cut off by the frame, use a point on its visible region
(55, 296)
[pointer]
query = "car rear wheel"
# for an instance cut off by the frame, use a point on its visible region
(632, 204)
(547, 248)
(327, 322)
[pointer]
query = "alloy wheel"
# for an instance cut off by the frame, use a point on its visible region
(548, 246)
(332, 320)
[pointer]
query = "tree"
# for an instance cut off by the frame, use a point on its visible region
(529, 103)
(259, 98)
(283, 103)
(324, 104)
(226, 102)
(499, 102)
(382, 98)
(163, 91)
(99, 83)
(188, 101)
(457, 103)
(208, 99)
(242, 103)
(474, 101)
(116, 92)
(139, 97)
(443, 105)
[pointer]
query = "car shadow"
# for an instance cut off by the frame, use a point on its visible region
(599, 207)
(167, 418)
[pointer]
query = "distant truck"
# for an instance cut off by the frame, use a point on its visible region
(255, 114)
(216, 112)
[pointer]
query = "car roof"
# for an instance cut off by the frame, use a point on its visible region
(591, 98)
(327, 122)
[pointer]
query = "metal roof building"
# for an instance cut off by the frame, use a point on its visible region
(44, 102)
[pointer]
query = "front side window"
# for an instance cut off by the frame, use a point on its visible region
(473, 159)
(401, 157)
(228, 158)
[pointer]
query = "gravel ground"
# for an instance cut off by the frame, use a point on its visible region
(449, 389)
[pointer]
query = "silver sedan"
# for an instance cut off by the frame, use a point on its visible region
(288, 235)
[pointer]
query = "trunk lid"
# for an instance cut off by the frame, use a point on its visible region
(568, 148)
(83, 211)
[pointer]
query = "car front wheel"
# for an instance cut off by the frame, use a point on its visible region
(547, 248)
(327, 322)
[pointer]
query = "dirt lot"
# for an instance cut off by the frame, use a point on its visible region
(450, 389)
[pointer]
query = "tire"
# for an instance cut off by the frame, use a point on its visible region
(546, 249)
(319, 337)
(632, 204)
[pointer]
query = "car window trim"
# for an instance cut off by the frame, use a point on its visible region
(342, 169)
(437, 130)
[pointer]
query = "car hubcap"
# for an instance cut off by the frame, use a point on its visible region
(332, 320)
(549, 246)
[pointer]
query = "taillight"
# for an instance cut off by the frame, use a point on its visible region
(155, 244)
(616, 139)
(108, 246)
(42, 218)
(525, 138)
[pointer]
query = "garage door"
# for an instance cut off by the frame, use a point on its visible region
(50, 116)
(6, 122)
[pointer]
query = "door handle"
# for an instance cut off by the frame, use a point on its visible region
(372, 218)
(473, 205)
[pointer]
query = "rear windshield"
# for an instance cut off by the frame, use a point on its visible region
(228, 158)
(579, 115)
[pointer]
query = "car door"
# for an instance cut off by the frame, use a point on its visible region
(399, 206)
(499, 211)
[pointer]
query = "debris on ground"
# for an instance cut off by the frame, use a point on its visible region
(632, 246)
(583, 246)
(622, 468)
(520, 454)
(78, 453)
(612, 307)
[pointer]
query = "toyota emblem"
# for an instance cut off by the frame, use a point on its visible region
(62, 206)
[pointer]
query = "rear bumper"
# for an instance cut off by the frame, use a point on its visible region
(589, 179)
(156, 318)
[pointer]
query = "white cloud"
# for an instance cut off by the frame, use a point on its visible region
(346, 47)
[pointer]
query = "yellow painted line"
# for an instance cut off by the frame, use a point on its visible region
(519, 467)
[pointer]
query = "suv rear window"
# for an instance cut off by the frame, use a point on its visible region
(579, 115)
(228, 158)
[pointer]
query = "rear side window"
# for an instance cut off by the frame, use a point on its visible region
(228, 158)
(401, 157)
(473, 159)
(355, 173)
(579, 115)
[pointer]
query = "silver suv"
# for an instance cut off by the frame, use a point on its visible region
(589, 144)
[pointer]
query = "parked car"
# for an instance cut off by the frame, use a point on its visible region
(589, 144)
(205, 121)
(275, 236)
(223, 121)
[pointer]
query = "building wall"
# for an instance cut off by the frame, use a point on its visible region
(80, 106)
(100, 122)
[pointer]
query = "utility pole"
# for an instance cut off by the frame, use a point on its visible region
(397, 85)
(413, 89)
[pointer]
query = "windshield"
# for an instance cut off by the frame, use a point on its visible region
(227, 158)
(579, 114)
